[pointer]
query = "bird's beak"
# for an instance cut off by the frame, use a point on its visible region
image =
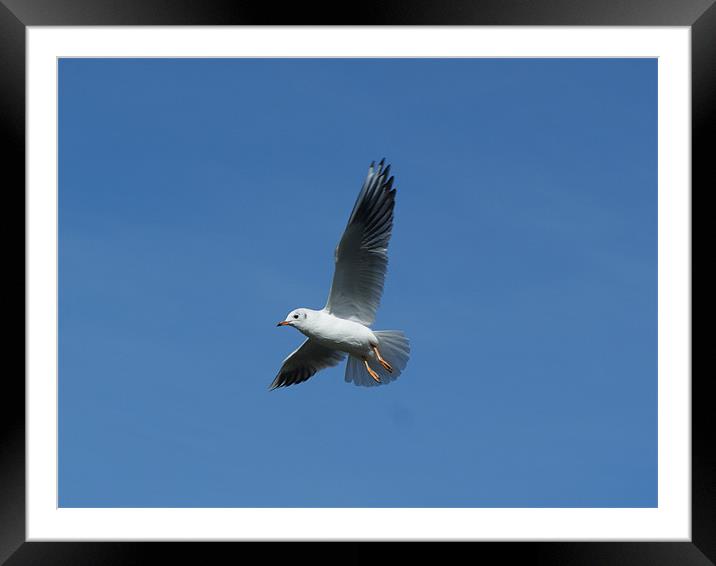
(283, 323)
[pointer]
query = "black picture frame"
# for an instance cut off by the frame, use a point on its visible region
(16, 15)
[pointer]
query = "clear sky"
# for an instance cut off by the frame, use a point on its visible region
(200, 201)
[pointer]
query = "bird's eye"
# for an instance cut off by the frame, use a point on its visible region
(295, 316)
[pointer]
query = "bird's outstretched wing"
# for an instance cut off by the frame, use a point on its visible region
(362, 253)
(304, 362)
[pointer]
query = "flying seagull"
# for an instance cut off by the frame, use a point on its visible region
(343, 325)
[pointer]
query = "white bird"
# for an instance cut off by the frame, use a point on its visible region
(343, 325)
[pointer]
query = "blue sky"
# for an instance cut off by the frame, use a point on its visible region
(200, 201)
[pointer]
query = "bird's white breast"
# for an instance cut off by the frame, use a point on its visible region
(340, 334)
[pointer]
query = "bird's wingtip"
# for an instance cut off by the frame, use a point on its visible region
(382, 168)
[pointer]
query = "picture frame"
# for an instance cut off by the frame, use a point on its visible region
(16, 16)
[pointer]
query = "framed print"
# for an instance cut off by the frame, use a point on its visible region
(188, 173)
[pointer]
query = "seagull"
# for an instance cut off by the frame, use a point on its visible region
(342, 327)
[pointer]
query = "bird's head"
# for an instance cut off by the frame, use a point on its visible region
(296, 318)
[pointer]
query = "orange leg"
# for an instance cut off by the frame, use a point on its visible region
(385, 364)
(371, 372)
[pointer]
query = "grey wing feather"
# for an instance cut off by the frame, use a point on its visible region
(362, 253)
(309, 358)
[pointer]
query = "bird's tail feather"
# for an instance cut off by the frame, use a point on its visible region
(395, 349)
